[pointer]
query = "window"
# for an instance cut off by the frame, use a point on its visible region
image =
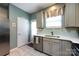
(33, 28)
(54, 22)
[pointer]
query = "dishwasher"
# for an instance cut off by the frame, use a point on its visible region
(38, 43)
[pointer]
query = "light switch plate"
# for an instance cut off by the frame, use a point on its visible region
(13, 24)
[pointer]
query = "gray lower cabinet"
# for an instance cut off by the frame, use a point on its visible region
(46, 46)
(66, 49)
(57, 47)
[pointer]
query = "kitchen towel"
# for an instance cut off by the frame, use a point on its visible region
(37, 40)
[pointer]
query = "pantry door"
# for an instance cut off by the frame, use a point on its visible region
(22, 31)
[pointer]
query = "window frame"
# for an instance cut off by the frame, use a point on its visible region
(55, 26)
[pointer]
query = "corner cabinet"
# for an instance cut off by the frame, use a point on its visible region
(66, 48)
(71, 16)
(40, 20)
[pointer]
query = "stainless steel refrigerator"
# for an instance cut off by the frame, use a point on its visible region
(4, 31)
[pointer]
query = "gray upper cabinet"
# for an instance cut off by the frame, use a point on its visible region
(40, 20)
(77, 15)
(70, 15)
(71, 18)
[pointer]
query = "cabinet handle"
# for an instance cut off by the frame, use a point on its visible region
(39, 40)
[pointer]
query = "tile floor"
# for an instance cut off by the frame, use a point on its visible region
(25, 51)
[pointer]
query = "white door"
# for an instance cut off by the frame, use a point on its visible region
(22, 31)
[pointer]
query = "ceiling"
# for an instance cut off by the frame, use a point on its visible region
(32, 7)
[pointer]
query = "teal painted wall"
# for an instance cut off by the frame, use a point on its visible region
(15, 12)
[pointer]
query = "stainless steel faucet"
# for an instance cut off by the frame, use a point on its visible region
(51, 33)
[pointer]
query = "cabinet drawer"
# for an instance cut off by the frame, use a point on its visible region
(46, 39)
(56, 41)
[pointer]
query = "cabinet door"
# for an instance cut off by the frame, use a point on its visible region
(66, 15)
(46, 46)
(70, 15)
(77, 15)
(66, 48)
(55, 47)
(40, 20)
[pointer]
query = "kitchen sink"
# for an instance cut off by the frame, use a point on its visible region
(53, 36)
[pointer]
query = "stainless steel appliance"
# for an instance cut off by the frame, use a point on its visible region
(38, 43)
(4, 30)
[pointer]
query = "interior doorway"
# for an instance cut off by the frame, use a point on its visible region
(22, 31)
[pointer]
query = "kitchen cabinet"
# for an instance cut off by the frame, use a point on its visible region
(71, 16)
(57, 47)
(47, 46)
(66, 49)
(51, 46)
(40, 20)
(77, 15)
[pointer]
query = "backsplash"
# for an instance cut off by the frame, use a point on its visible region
(62, 32)
(67, 32)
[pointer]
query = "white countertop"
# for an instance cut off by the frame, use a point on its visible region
(74, 40)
